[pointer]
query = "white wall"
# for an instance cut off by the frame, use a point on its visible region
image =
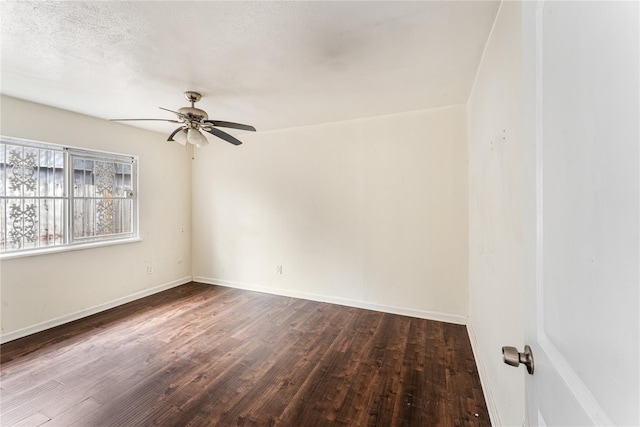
(496, 263)
(368, 212)
(40, 291)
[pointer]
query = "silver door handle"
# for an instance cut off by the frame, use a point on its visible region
(510, 356)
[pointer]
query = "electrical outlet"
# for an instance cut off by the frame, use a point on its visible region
(278, 269)
(149, 269)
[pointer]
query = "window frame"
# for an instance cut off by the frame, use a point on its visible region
(69, 241)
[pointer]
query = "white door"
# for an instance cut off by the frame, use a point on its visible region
(582, 197)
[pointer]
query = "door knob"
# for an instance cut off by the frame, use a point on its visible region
(511, 357)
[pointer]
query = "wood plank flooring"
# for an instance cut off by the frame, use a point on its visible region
(202, 355)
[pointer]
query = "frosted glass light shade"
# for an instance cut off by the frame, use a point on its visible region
(181, 137)
(203, 143)
(196, 138)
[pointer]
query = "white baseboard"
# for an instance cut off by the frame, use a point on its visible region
(422, 314)
(89, 311)
(482, 373)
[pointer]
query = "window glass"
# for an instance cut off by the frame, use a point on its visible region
(37, 210)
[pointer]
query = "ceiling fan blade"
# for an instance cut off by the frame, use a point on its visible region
(130, 120)
(230, 125)
(223, 135)
(184, 116)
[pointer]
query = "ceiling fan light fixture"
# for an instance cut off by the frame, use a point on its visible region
(181, 137)
(195, 137)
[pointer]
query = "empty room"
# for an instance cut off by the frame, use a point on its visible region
(320, 213)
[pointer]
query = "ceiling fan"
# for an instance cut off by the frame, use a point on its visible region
(194, 120)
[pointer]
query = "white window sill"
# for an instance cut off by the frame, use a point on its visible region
(68, 248)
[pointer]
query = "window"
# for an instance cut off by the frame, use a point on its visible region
(54, 196)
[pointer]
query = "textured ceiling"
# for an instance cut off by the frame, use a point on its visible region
(269, 64)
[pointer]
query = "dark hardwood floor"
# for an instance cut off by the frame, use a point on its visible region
(206, 355)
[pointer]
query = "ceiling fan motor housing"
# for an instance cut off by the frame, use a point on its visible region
(194, 112)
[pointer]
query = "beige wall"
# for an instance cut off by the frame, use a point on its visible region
(368, 212)
(496, 263)
(40, 291)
